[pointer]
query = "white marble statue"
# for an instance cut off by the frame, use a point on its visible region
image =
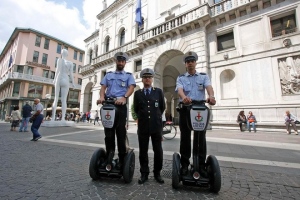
(61, 82)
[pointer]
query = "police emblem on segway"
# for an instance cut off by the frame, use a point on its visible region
(107, 116)
(198, 117)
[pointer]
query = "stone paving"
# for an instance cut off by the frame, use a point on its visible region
(38, 170)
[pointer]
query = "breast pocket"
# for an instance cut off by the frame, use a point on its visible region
(200, 84)
(187, 86)
(122, 82)
(110, 81)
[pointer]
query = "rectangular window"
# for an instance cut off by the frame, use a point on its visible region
(29, 70)
(138, 66)
(79, 81)
(74, 68)
(35, 56)
(225, 41)
(45, 73)
(56, 61)
(20, 68)
(58, 49)
(75, 55)
(44, 60)
(79, 66)
(35, 90)
(52, 75)
(38, 41)
(80, 57)
(46, 44)
(16, 89)
(283, 25)
(73, 95)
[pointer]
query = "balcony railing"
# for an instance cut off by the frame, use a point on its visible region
(85, 68)
(126, 47)
(174, 23)
(284, 31)
(27, 77)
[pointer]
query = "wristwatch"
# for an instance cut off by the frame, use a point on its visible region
(125, 96)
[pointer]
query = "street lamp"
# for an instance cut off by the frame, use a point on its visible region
(48, 97)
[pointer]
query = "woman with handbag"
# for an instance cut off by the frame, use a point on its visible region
(251, 120)
(241, 119)
(16, 117)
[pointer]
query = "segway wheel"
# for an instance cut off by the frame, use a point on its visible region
(129, 166)
(214, 173)
(175, 171)
(97, 159)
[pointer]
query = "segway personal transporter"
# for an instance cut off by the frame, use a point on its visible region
(197, 121)
(102, 163)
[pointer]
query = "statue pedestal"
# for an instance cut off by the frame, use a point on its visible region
(57, 123)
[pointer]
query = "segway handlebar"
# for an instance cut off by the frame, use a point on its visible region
(109, 101)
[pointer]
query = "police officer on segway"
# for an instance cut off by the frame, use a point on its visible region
(191, 86)
(117, 85)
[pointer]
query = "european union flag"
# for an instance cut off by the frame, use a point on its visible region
(138, 13)
(10, 61)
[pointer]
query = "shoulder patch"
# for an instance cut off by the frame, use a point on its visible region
(202, 73)
(128, 73)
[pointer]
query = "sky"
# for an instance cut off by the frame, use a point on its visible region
(71, 20)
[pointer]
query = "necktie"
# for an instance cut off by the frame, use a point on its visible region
(147, 92)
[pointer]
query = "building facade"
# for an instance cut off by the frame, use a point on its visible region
(249, 48)
(27, 69)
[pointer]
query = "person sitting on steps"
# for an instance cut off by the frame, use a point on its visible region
(289, 118)
(241, 119)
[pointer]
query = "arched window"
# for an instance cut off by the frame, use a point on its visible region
(107, 44)
(228, 84)
(122, 37)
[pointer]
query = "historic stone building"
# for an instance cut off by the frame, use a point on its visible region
(249, 48)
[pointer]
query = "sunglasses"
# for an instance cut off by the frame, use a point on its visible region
(188, 61)
(145, 77)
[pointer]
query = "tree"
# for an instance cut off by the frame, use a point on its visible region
(133, 114)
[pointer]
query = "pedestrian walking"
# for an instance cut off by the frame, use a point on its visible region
(36, 119)
(149, 106)
(26, 114)
(96, 118)
(15, 117)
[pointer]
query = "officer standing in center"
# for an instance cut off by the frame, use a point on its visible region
(191, 86)
(120, 85)
(149, 104)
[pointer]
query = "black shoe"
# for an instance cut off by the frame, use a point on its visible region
(158, 178)
(184, 170)
(203, 172)
(32, 139)
(37, 138)
(143, 179)
(119, 166)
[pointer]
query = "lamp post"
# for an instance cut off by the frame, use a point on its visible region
(48, 97)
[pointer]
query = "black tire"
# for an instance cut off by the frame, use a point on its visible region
(129, 166)
(97, 159)
(172, 134)
(176, 171)
(214, 173)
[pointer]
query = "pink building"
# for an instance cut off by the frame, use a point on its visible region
(27, 69)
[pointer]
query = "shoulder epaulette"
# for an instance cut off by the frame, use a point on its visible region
(109, 72)
(128, 73)
(202, 73)
(181, 75)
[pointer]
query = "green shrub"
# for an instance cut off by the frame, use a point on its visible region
(133, 114)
